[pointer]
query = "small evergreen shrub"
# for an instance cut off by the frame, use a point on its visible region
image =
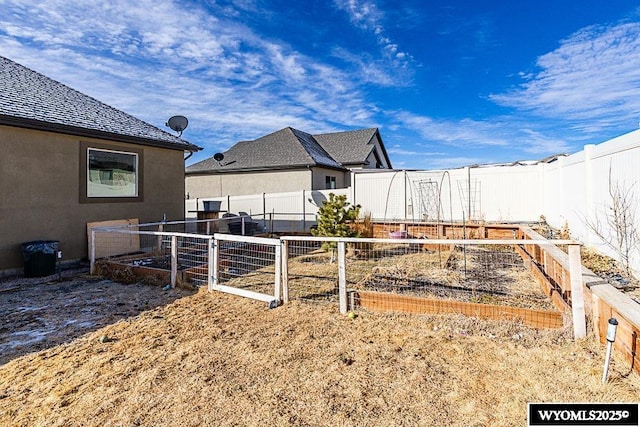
(334, 218)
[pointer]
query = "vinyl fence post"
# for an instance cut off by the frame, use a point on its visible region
(271, 222)
(160, 230)
(342, 277)
(577, 296)
(304, 214)
(174, 260)
(285, 271)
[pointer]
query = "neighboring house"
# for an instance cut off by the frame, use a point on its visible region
(68, 159)
(357, 149)
(287, 160)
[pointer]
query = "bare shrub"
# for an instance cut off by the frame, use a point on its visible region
(617, 224)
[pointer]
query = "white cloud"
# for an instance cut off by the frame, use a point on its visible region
(592, 78)
(399, 150)
(457, 133)
(537, 143)
(491, 139)
(154, 59)
(366, 15)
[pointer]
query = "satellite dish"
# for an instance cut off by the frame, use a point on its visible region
(178, 123)
(218, 157)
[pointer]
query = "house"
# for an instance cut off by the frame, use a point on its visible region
(357, 149)
(68, 160)
(287, 160)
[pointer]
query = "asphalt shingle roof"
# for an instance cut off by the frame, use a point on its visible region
(350, 147)
(286, 148)
(30, 99)
(291, 148)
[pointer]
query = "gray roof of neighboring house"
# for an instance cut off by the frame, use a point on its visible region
(292, 148)
(351, 147)
(286, 148)
(31, 100)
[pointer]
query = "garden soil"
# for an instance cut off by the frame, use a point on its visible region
(109, 354)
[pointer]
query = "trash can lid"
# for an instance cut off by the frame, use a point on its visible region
(46, 246)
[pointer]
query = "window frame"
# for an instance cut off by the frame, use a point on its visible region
(85, 148)
(330, 182)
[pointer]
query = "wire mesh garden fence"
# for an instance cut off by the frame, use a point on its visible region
(486, 278)
(473, 277)
(243, 265)
(135, 253)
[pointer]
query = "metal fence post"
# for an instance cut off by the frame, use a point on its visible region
(342, 277)
(577, 296)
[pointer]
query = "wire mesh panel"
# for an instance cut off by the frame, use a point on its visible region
(248, 266)
(409, 274)
(475, 273)
(397, 266)
(193, 259)
(131, 254)
(109, 243)
(312, 270)
(374, 264)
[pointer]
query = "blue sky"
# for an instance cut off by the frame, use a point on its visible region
(448, 83)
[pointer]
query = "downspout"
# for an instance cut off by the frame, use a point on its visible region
(353, 187)
(311, 170)
(184, 196)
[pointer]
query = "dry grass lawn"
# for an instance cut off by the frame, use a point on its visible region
(220, 360)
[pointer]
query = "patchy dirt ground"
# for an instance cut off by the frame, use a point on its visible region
(39, 313)
(209, 359)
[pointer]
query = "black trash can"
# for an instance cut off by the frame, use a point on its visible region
(40, 257)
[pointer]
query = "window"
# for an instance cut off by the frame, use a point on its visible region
(330, 182)
(110, 173)
(378, 161)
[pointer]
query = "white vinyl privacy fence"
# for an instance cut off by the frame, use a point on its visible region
(471, 194)
(571, 191)
(278, 212)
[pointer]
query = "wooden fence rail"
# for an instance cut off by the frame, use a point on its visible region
(601, 300)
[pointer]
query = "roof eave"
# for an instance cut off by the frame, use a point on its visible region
(91, 133)
(384, 150)
(261, 169)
